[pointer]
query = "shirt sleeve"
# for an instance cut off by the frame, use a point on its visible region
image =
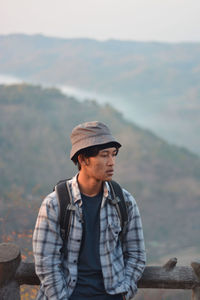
(133, 246)
(47, 243)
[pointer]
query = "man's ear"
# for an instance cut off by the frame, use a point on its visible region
(83, 161)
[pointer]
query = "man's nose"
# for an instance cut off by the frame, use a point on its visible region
(111, 160)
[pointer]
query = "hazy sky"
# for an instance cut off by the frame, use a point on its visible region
(160, 20)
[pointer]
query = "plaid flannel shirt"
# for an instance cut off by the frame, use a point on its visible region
(122, 265)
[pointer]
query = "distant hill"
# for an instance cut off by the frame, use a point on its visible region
(35, 125)
(154, 84)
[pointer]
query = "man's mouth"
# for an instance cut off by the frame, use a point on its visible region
(110, 172)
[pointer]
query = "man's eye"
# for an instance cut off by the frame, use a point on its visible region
(104, 154)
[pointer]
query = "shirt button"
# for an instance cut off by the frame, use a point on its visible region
(78, 240)
(74, 280)
(75, 261)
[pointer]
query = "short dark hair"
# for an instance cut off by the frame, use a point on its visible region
(93, 151)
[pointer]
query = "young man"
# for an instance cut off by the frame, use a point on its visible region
(101, 260)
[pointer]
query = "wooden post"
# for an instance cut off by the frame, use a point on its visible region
(171, 264)
(10, 258)
(169, 276)
(14, 273)
(196, 290)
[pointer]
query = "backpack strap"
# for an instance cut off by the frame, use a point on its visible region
(119, 201)
(66, 209)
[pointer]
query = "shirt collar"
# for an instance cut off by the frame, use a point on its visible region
(76, 194)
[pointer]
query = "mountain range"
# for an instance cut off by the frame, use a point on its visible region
(35, 125)
(155, 85)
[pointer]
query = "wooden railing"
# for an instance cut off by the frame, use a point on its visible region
(14, 272)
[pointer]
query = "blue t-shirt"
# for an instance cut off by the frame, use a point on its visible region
(90, 279)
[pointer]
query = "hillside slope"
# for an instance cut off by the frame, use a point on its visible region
(156, 85)
(35, 125)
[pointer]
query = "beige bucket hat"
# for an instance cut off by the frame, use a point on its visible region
(90, 134)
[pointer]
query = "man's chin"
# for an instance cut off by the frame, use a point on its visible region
(109, 177)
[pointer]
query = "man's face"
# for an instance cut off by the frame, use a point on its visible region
(101, 167)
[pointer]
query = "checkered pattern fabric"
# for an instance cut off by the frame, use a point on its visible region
(122, 260)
